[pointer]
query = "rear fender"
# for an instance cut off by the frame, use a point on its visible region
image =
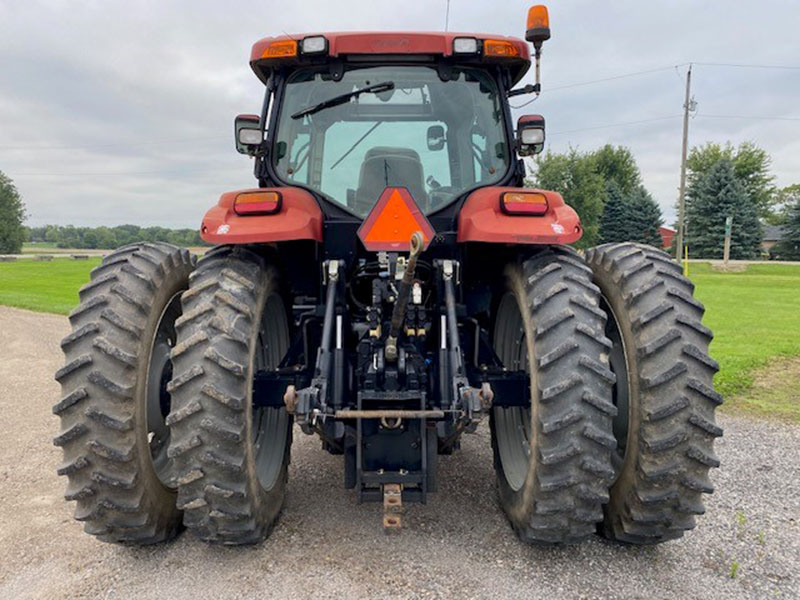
(482, 220)
(299, 218)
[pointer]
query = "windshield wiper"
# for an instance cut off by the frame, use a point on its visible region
(337, 100)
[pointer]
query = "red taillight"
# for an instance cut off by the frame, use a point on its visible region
(257, 203)
(523, 203)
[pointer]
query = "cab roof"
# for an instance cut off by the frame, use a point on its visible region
(388, 44)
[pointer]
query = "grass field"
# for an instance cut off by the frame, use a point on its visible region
(36, 246)
(755, 316)
(44, 286)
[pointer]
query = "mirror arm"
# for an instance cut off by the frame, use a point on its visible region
(528, 89)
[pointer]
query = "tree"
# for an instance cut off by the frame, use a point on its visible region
(717, 195)
(575, 177)
(12, 216)
(785, 199)
(789, 247)
(645, 218)
(617, 165)
(614, 224)
(634, 217)
(751, 166)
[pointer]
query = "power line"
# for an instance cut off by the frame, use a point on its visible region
(115, 173)
(657, 70)
(604, 79)
(623, 76)
(742, 66)
(748, 117)
(626, 123)
(117, 145)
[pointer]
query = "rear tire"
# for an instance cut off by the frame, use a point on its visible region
(554, 481)
(665, 429)
(114, 395)
(232, 459)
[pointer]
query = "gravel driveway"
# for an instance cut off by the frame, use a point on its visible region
(325, 545)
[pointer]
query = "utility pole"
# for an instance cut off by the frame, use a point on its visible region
(687, 106)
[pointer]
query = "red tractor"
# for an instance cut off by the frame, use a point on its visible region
(387, 285)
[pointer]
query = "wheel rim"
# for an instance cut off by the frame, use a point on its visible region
(157, 398)
(618, 362)
(512, 425)
(270, 425)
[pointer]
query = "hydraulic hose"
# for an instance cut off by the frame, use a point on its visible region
(401, 303)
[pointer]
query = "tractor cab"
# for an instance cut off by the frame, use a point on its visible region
(347, 115)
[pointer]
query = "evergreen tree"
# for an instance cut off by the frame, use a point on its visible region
(789, 247)
(717, 195)
(645, 218)
(12, 215)
(751, 166)
(615, 222)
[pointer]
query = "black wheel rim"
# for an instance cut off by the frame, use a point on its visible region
(270, 425)
(512, 425)
(157, 398)
(618, 362)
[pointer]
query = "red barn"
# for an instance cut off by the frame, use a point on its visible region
(667, 235)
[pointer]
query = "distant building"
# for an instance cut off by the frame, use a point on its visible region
(667, 235)
(772, 235)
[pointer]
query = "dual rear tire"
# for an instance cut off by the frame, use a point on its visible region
(231, 456)
(113, 405)
(158, 425)
(619, 435)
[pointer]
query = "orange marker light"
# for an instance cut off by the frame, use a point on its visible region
(282, 49)
(257, 203)
(523, 203)
(500, 49)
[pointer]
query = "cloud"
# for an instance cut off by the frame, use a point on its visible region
(115, 112)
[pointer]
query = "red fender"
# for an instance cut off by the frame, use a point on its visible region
(299, 218)
(482, 220)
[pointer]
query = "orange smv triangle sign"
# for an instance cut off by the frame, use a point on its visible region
(392, 221)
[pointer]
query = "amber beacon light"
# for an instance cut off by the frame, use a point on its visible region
(538, 29)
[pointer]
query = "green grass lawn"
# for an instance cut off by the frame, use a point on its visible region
(755, 316)
(44, 286)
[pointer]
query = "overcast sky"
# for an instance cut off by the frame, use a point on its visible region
(121, 112)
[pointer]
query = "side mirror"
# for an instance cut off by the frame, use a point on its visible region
(530, 135)
(436, 137)
(247, 129)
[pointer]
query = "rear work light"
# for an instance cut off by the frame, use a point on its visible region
(257, 203)
(500, 49)
(465, 45)
(282, 49)
(316, 44)
(523, 203)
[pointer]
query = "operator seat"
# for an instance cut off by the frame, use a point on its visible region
(386, 166)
